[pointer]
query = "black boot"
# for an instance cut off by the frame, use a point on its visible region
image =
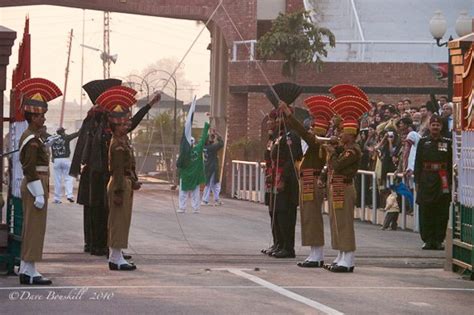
(40, 280)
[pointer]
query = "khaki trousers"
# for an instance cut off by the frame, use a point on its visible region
(312, 227)
(342, 221)
(120, 217)
(34, 222)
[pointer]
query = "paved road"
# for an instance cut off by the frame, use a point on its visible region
(209, 263)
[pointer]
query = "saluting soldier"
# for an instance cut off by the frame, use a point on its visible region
(342, 168)
(34, 160)
(311, 194)
(433, 171)
(123, 179)
(92, 154)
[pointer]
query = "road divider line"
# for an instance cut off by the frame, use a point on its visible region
(299, 298)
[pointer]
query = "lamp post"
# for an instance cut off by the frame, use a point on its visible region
(438, 27)
(173, 78)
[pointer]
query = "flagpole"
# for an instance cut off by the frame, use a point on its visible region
(223, 153)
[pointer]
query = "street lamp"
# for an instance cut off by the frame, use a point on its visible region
(438, 27)
(173, 78)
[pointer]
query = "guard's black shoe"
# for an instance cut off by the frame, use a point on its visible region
(25, 279)
(338, 268)
(124, 267)
(284, 254)
(274, 251)
(266, 251)
(311, 264)
(71, 200)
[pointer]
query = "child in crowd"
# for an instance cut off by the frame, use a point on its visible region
(391, 210)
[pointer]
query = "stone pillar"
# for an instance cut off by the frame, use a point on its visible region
(7, 38)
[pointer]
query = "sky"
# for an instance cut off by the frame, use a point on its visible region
(137, 40)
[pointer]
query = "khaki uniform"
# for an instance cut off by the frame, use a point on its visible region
(342, 196)
(122, 171)
(34, 160)
(311, 196)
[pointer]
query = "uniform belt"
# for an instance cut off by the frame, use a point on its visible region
(315, 173)
(42, 169)
(428, 166)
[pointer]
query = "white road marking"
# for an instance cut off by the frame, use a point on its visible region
(320, 307)
(423, 304)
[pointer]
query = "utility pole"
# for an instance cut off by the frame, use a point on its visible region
(66, 77)
(106, 52)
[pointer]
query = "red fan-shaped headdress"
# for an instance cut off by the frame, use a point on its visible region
(117, 101)
(347, 90)
(36, 92)
(319, 107)
(350, 108)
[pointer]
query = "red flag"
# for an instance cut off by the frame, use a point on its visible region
(21, 72)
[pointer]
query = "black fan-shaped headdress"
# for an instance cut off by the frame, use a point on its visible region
(97, 87)
(286, 91)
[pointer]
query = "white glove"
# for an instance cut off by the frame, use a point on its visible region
(39, 202)
(36, 189)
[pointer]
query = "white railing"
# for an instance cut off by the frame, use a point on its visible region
(363, 181)
(248, 183)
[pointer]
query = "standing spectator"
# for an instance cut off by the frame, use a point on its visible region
(61, 151)
(400, 106)
(433, 175)
(447, 115)
(392, 209)
(413, 110)
(211, 166)
(441, 101)
(416, 117)
(406, 104)
(425, 121)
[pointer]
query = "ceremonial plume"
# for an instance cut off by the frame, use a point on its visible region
(286, 92)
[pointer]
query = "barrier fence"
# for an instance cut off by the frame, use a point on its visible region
(248, 183)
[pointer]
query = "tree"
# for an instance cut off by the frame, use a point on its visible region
(297, 39)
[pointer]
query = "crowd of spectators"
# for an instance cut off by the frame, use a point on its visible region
(389, 134)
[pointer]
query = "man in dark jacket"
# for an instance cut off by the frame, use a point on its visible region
(211, 167)
(61, 151)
